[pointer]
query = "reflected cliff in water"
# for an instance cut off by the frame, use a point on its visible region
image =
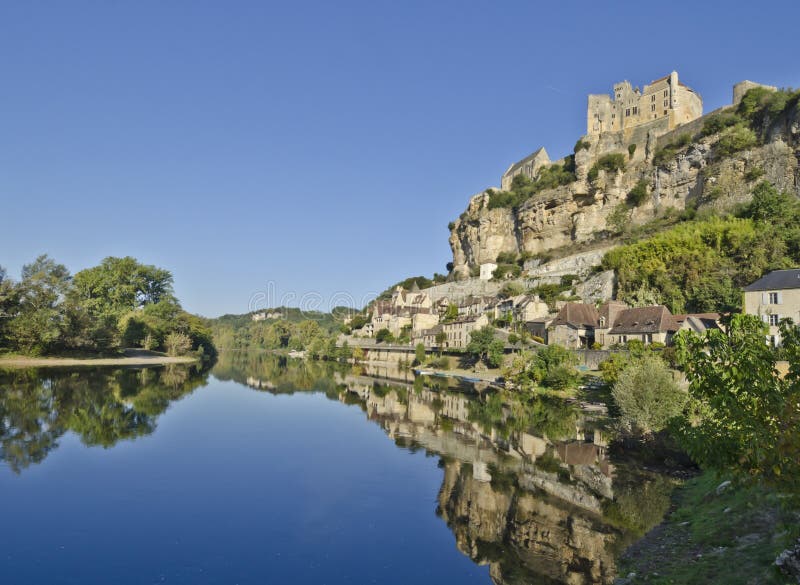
(529, 487)
(100, 405)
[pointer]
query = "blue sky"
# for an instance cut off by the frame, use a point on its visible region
(319, 146)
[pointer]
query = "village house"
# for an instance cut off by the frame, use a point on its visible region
(458, 331)
(574, 326)
(699, 323)
(413, 309)
(427, 337)
(473, 306)
(774, 297)
(646, 324)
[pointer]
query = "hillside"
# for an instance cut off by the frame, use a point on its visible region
(619, 186)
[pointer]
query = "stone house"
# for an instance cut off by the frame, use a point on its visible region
(647, 324)
(574, 326)
(774, 297)
(538, 327)
(422, 321)
(528, 166)
(458, 331)
(530, 308)
(487, 271)
(473, 306)
(427, 337)
(609, 311)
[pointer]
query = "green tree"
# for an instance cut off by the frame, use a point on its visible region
(384, 336)
(419, 353)
(647, 395)
(40, 320)
(484, 347)
(743, 414)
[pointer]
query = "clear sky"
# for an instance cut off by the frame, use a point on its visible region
(320, 146)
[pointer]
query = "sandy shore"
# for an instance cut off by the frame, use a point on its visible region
(131, 358)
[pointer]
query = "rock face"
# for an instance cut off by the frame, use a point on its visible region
(579, 213)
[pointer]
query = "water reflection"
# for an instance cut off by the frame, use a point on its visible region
(102, 406)
(529, 487)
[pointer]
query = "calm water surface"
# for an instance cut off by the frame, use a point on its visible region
(268, 471)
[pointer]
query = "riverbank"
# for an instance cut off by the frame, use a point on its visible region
(716, 533)
(129, 357)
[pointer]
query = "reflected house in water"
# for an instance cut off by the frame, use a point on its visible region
(530, 504)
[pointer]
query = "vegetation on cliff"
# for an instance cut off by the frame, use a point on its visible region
(120, 302)
(701, 265)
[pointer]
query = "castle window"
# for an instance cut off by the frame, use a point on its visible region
(653, 108)
(665, 93)
(666, 103)
(635, 110)
(627, 111)
(653, 98)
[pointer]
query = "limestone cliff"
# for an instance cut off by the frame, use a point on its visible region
(691, 171)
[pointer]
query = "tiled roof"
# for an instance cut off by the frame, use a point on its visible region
(578, 315)
(655, 319)
(777, 280)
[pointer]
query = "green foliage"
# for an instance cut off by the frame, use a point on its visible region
(700, 266)
(450, 227)
(611, 368)
(753, 174)
(506, 258)
(631, 150)
(419, 353)
(581, 145)
(451, 314)
(511, 289)
(523, 188)
(407, 284)
(384, 336)
(552, 367)
(619, 218)
(638, 194)
(610, 163)
(735, 139)
(504, 271)
(743, 416)
(760, 106)
(719, 122)
(647, 396)
(669, 151)
(485, 347)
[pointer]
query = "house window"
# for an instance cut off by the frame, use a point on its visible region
(665, 93)
(666, 103)
(773, 298)
(774, 320)
(653, 108)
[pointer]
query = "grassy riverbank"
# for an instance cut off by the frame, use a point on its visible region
(730, 535)
(129, 357)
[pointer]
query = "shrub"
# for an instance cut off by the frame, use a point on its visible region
(754, 174)
(384, 336)
(178, 343)
(638, 194)
(511, 289)
(647, 396)
(735, 139)
(669, 151)
(451, 226)
(507, 258)
(718, 122)
(610, 163)
(631, 150)
(506, 271)
(581, 145)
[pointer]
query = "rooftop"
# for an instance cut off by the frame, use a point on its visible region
(777, 280)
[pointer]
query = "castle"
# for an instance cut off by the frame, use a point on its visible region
(665, 98)
(659, 107)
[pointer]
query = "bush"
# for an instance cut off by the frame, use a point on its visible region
(669, 151)
(631, 150)
(178, 343)
(384, 336)
(581, 145)
(718, 123)
(610, 163)
(506, 271)
(638, 194)
(522, 188)
(735, 139)
(754, 174)
(511, 289)
(647, 396)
